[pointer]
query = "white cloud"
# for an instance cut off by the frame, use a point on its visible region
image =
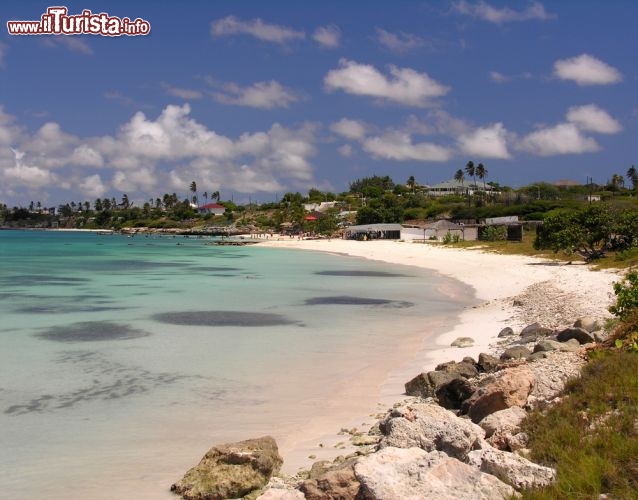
(180, 92)
(484, 11)
(586, 70)
(262, 95)
(497, 77)
(350, 129)
(30, 176)
(328, 36)
(74, 43)
(593, 119)
(486, 142)
(399, 146)
(401, 42)
(231, 25)
(84, 155)
(564, 138)
(404, 86)
(133, 160)
(92, 186)
(346, 150)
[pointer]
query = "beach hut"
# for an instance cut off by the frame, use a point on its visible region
(373, 232)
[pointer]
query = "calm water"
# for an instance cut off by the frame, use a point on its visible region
(122, 360)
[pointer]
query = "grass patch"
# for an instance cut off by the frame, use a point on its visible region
(591, 437)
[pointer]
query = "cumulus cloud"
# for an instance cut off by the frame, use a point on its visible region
(404, 85)
(350, 129)
(486, 142)
(593, 119)
(30, 176)
(569, 137)
(399, 146)
(486, 12)
(86, 156)
(401, 42)
(134, 159)
(564, 138)
(257, 28)
(262, 95)
(586, 70)
(328, 36)
(92, 186)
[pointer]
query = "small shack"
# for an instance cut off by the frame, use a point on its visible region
(373, 232)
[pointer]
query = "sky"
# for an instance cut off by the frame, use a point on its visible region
(257, 98)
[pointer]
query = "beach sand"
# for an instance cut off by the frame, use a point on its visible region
(553, 294)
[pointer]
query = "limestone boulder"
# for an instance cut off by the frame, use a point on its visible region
(507, 388)
(462, 342)
(337, 483)
(553, 345)
(424, 385)
(430, 427)
(402, 474)
(580, 334)
(231, 470)
(512, 468)
(588, 323)
(506, 332)
(534, 332)
(466, 368)
(501, 427)
(487, 363)
(515, 352)
(452, 394)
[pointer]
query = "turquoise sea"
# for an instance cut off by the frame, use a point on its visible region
(122, 360)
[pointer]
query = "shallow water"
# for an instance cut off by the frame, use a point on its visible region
(122, 360)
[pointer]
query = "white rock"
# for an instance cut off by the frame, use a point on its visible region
(512, 468)
(414, 474)
(431, 427)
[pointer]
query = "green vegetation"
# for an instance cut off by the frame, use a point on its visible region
(591, 436)
(378, 199)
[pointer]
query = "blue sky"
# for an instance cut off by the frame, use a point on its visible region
(256, 98)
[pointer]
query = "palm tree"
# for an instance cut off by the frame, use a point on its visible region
(481, 173)
(215, 195)
(411, 183)
(193, 189)
(617, 181)
(470, 170)
(205, 195)
(632, 174)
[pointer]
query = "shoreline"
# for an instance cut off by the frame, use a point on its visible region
(556, 292)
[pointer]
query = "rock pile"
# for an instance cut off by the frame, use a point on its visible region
(459, 437)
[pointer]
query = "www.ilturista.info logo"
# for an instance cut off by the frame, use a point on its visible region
(56, 21)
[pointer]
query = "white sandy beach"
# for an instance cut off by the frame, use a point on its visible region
(553, 294)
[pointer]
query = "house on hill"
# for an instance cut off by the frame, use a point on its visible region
(212, 208)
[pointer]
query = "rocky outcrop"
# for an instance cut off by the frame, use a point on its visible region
(397, 474)
(588, 323)
(231, 470)
(548, 345)
(534, 332)
(509, 387)
(512, 468)
(428, 426)
(516, 352)
(336, 483)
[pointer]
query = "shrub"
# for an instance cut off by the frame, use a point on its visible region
(626, 292)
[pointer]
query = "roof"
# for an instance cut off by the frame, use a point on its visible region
(211, 206)
(452, 184)
(376, 227)
(442, 224)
